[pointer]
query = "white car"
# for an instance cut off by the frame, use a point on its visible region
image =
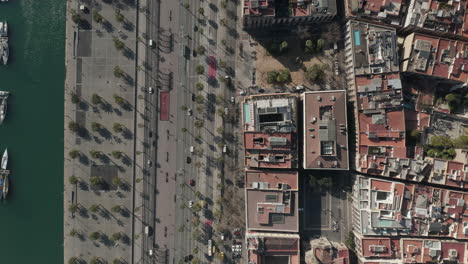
(224, 148)
(233, 100)
(149, 163)
(189, 112)
(337, 71)
(242, 92)
(190, 204)
(222, 237)
(150, 90)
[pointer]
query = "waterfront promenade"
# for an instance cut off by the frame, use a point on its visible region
(103, 135)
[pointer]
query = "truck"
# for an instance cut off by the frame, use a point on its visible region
(210, 247)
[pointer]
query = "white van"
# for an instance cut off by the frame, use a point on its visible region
(224, 148)
(151, 43)
(147, 230)
(150, 252)
(192, 149)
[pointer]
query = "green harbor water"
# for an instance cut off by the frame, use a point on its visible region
(31, 219)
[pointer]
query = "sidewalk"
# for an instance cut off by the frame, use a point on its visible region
(101, 226)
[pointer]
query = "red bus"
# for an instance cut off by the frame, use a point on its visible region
(164, 103)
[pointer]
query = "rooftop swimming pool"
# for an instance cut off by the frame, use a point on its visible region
(357, 37)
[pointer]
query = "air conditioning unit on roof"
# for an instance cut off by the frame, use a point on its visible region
(377, 248)
(453, 253)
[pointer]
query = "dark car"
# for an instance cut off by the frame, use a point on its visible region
(192, 182)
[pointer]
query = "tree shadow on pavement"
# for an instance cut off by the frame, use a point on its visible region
(128, 53)
(108, 26)
(83, 186)
(127, 134)
(127, 25)
(105, 133)
(83, 212)
(127, 160)
(83, 159)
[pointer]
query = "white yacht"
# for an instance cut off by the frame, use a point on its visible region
(4, 160)
(3, 109)
(6, 53)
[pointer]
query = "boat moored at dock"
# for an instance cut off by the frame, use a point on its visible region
(4, 49)
(3, 105)
(4, 173)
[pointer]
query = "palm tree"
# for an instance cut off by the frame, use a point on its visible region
(199, 99)
(199, 86)
(201, 50)
(199, 69)
(117, 181)
(117, 154)
(116, 209)
(73, 208)
(73, 126)
(181, 228)
(95, 126)
(76, 18)
(73, 233)
(73, 260)
(116, 261)
(95, 154)
(223, 22)
(201, 11)
(119, 100)
(73, 179)
(198, 124)
(96, 99)
(95, 180)
(196, 235)
(74, 153)
(118, 43)
(94, 208)
(116, 236)
(117, 127)
(94, 235)
(223, 4)
(118, 16)
(118, 72)
(220, 112)
(74, 98)
(95, 260)
(97, 17)
(184, 129)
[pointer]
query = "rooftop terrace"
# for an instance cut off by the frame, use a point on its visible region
(271, 202)
(270, 113)
(371, 49)
(271, 248)
(434, 56)
(449, 17)
(395, 209)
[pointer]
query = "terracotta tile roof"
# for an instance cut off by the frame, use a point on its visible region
(325, 130)
(376, 247)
